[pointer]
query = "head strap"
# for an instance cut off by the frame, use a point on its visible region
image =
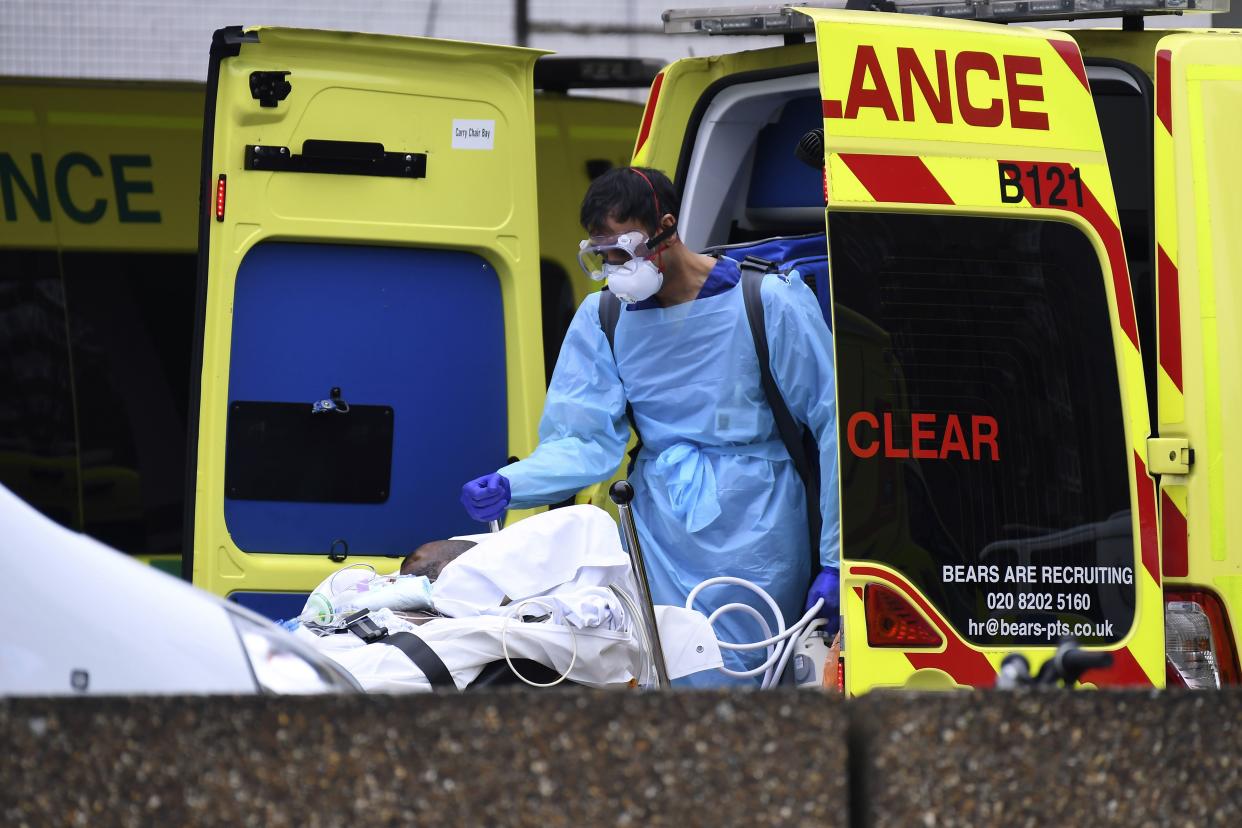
(662, 235)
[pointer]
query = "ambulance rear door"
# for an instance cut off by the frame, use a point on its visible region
(992, 428)
(1199, 294)
(368, 309)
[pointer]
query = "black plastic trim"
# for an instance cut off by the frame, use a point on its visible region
(337, 158)
(1148, 94)
(225, 43)
(555, 73)
(710, 93)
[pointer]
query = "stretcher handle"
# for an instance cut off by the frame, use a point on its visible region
(622, 493)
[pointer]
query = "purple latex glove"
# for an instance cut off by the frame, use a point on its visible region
(486, 497)
(827, 585)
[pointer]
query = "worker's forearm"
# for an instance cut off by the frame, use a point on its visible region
(559, 468)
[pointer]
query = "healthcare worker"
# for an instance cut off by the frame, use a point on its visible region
(715, 491)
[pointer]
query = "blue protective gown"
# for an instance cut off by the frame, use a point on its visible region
(715, 490)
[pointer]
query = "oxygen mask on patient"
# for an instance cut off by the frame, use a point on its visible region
(359, 587)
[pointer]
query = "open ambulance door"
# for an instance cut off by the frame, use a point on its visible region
(368, 239)
(1199, 296)
(994, 486)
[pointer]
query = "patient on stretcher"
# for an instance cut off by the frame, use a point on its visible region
(556, 589)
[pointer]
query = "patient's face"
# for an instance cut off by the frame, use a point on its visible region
(430, 558)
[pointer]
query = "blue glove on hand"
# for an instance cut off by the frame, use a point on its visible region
(486, 497)
(827, 585)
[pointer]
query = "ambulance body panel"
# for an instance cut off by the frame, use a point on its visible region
(1198, 208)
(372, 212)
(993, 145)
(581, 138)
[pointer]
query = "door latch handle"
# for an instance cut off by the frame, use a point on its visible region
(1169, 455)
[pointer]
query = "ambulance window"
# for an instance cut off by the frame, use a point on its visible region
(131, 323)
(38, 450)
(982, 440)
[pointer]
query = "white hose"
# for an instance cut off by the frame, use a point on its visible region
(780, 646)
(504, 641)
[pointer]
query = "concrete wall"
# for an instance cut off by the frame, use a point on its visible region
(1051, 758)
(677, 759)
(550, 759)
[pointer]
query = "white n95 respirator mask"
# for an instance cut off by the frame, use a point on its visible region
(635, 281)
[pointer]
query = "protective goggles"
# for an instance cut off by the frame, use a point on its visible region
(597, 251)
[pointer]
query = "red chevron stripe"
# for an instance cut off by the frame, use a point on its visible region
(1068, 50)
(1170, 317)
(1125, 671)
(897, 178)
(1164, 89)
(1149, 543)
(1109, 233)
(649, 112)
(1176, 559)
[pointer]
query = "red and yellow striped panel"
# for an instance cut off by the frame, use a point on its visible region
(895, 180)
(1169, 388)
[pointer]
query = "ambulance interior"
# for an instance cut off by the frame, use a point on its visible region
(742, 181)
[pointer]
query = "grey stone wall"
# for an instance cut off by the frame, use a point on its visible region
(580, 758)
(1152, 758)
(550, 759)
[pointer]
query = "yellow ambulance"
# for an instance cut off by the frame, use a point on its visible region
(1029, 264)
(99, 210)
(1031, 283)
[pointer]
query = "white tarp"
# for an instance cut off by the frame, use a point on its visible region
(568, 558)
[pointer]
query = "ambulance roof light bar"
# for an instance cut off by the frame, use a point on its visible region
(784, 19)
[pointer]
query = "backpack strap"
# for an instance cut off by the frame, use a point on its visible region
(792, 433)
(609, 316)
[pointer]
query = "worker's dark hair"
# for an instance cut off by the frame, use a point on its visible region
(625, 193)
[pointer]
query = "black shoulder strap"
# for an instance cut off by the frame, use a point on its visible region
(424, 658)
(790, 430)
(609, 316)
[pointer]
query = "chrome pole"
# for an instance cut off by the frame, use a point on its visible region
(622, 493)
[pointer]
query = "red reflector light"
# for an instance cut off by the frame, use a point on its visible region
(220, 198)
(1222, 643)
(893, 622)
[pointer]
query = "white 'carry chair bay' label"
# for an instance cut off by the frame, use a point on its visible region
(474, 135)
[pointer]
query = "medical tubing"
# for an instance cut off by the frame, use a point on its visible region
(504, 642)
(780, 646)
(808, 622)
(645, 644)
(773, 651)
(778, 656)
(729, 580)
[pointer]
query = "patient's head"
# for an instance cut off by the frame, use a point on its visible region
(432, 557)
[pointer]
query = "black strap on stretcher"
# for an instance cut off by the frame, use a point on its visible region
(415, 649)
